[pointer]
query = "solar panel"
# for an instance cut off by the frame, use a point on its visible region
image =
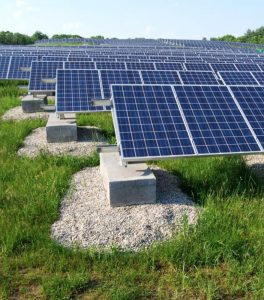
(197, 67)
(248, 67)
(75, 89)
(169, 66)
(79, 65)
(223, 67)
(196, 77)
(79, 58)
(149, 123)
(259, 77)
(4, 65)
(43, 70)
(160, 77)
(55, 58)
(214, 120)
(110, 65)
(140, 66)
(18, 62)
(238, 78)
(118, 77)
(251, 100)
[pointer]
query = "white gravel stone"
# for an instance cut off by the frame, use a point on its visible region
(88, 139)
(88, 220)
(17, 114)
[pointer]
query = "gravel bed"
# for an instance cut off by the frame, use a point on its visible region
(88, 139)
(17, 114)
(256, 164)
(88, 220)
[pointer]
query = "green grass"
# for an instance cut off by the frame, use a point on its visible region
(221, 258)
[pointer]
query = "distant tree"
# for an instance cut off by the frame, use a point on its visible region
(251, 36)
(10, 38)
(66, 36)
(97, 37)
(204, 39)
(38, 35)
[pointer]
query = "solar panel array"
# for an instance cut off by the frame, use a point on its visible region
(170, 98)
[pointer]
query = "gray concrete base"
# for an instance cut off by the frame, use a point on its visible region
(131, 185)
(61, 130)
(31, 104)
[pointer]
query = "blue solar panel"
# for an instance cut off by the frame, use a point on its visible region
(259, 77)
(215, 121)
(223, 67)
(110, 65)
(18, 62)
(55, 58)
(251, 100)
(197, 67)
(75, 89)
(196, 77)
(248, 67)
(79, 65)
(43, 70)
(79, 58)
(175, 58)
(169, 66)
(160, 77)
(149, 123)
(140, 66)
(4, 65)
(238, 78)
(118, 77)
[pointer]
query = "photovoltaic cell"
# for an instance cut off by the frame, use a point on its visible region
(149, 122)
(251, 100)
(195, 77)
(238, 78)
(160, 77)
(76, 89)
(110, 77)
(43, 70)
(215, 122)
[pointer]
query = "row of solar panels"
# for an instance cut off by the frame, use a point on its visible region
(111, 51)
(75, 89)
(20, 67)
(127, 54)
(47, 70)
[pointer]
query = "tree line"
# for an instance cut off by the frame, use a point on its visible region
(251, 36)
(11, 38)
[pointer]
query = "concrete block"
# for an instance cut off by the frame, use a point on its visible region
(131, 185)
(31, 104)
(61, 130)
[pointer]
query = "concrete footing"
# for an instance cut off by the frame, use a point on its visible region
(31, 104)
(61, 130)
(131, 185)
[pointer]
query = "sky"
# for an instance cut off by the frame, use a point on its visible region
(178, 19)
